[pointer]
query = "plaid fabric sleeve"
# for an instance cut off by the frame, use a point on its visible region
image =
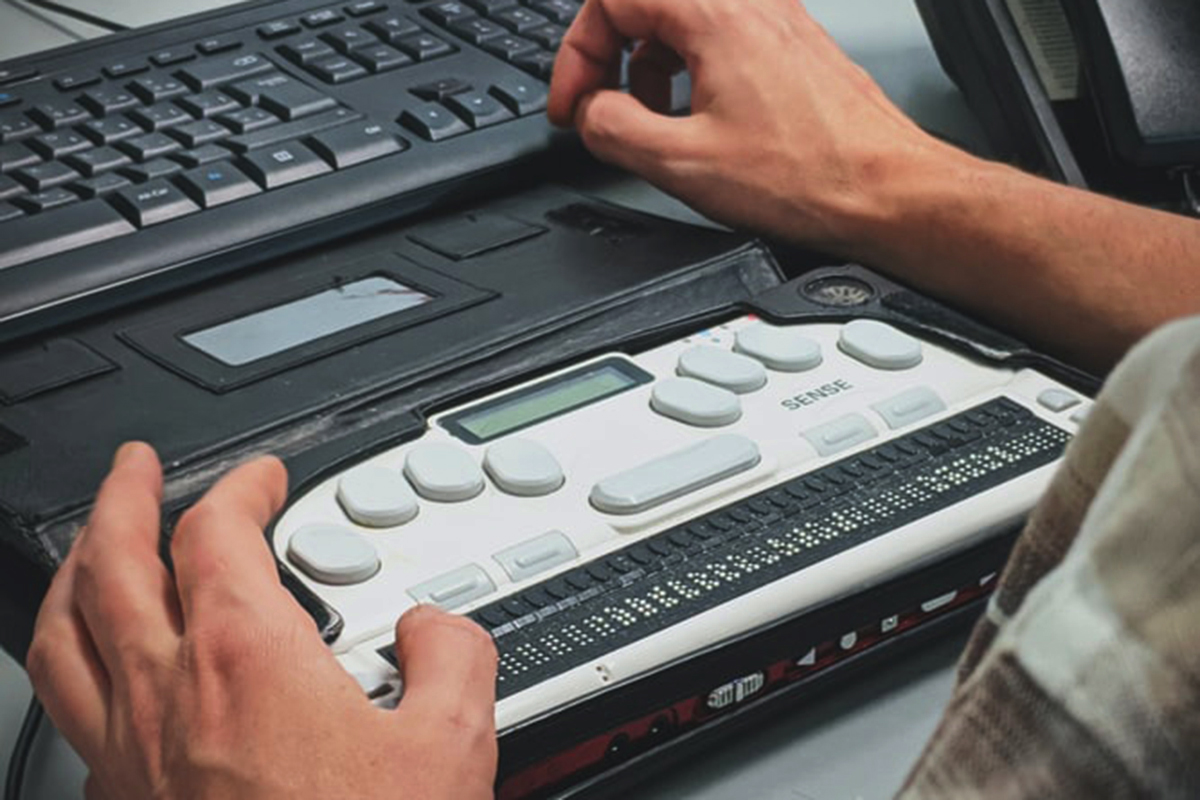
(1083, 677)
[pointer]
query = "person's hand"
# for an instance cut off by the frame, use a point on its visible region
(786, 135)
(214, 683)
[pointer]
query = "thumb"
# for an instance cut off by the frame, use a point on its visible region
(618, 129)
(448, 665)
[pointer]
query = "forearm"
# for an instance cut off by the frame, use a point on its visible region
(1081, 275)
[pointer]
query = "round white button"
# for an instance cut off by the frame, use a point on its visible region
(880, 345)
(332, 554)
(443, 472)
(522, 467)
(722, 368)
(376, 497)
(695, 403)
(782, 349)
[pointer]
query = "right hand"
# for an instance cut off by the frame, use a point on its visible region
(786, 134)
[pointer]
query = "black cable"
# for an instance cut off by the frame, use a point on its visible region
(19, 759)
(42, 17)
(76, 14)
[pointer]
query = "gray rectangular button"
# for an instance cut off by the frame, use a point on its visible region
(455, 588)
(909, 407)
(536, 555)
(841, 434)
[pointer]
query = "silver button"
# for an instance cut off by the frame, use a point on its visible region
(880, 346)
(536, 555)
(523, 468)
(456, 588)
(1057, 400)
(376, 497)
(781, 349)
(841, 434)
(675, 475)
(696, 403)
(332, 554)
(722, 368)
(443, 472)
(909, 407)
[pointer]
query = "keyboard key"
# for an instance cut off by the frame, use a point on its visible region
(278, 29)
(122, 69)
(152, 203)
(381, 58)
(150, 146)
(155, 89)
(365, 7)
(540, 64)
(353, 144)
(337, 70)
(349, 39)
(9, 187)
(307, 51)
(218, 44)
(167, 58)
(226, 69)
(320, 19)
(200, 156)
(208, 104)
(217, 184)
(107, 99)
(46, 201)
(283, 164)
(101, 159)
(152, 170)
(548, 36)
(113, 129)
(393, 29)
(58, 115)
(59, 144)
(509, 47)
(478, 109)
(80, 224)
(101, 185)
(249, 119)
(433, 122)
(16, 126)
(490, 7)
(291, 130)
(561, 11)
(13, 156)
(477, 31)
(200, 132)
(520, 20)
(440, 89)
(424, 46)
(72, 81)
(13, 74)
(9, 212)
(283, 96)
(160, 117)
(521, 96)
(447, 12)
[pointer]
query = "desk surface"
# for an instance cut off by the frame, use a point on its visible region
(855, 743)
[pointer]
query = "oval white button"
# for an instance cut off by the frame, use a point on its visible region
(879, 345)
(332, 554)
(376, 497)
(781, 349)
(722, 368)
(523, 468)
(443, 472)
(695, 403)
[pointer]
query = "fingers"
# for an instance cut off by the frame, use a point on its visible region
(120, 585)
(618, 129)
(591, 52)
(65, 669)
(449, 669)
(222, 560)
(651, 68)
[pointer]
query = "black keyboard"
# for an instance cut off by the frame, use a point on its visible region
(160, 157)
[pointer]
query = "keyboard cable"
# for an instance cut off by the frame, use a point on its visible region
(19, 760)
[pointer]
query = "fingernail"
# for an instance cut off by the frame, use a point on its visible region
(124, 452)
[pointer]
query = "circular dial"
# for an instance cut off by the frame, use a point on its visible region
(840, 292)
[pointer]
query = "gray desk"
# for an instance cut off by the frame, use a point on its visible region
(855, 743)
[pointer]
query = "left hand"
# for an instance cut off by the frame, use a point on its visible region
(214, 683)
